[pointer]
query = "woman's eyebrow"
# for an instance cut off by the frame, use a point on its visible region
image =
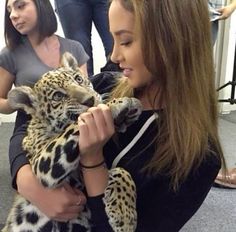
(122, 31)
(14, 3)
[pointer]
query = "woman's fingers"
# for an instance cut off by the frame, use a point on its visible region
(77, 197)
(107, 118)
(83, 200)
(96, 127)
(71, 207)
(99, 121)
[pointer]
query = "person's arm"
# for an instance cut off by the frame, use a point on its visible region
(227, 10)
(84, 69)
(6, 82)
(59, 203)
(96, 128)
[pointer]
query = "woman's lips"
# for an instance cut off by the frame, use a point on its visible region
(127, 72)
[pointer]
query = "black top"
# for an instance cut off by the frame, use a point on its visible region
(159, 208)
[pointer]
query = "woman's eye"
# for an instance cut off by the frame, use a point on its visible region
(79, 79)
(58, 96)
(125, 43)
(20, 5)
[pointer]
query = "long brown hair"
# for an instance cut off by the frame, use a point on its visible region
(179, 33)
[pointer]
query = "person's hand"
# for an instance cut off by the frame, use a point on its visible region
(61, 204)
(96, 128)
(226, 11)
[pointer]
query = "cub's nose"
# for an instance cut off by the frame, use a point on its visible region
(89, 101)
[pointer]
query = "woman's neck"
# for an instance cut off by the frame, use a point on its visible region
(151, 98)
(47, 43)
(33, 38)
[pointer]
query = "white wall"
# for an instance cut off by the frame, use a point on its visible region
(99, 54)
(225, 60)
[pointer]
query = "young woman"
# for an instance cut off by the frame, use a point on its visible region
(33, 49)
(164, 49)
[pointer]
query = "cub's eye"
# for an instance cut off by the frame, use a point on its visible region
(58, 96)
(78, 78)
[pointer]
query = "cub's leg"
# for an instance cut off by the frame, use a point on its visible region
(120, 201)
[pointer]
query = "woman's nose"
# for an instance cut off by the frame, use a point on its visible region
(13, 14)
(115, 55)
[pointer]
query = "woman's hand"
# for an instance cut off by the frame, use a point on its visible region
(61, 204)
(227, 11)
(96, 128)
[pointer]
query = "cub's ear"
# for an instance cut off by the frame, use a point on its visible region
(69, 61)
(22, 98)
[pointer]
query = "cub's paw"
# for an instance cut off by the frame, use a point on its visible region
(125, 111)
(120, 201)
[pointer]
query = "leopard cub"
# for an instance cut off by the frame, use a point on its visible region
(51, 143)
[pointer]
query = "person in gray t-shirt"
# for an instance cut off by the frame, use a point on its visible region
(32, 48)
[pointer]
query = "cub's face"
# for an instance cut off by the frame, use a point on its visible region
(58, 97)
(63, 94)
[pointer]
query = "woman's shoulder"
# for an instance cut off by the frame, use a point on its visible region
(7, 60)
(68, 42)
(75, 48)
(19, 50)
(6, 52)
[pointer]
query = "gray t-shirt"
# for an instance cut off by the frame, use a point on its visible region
(27, 67)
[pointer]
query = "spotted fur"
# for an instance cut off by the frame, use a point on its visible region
(51, 143)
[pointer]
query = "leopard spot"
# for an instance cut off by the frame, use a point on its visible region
(71, 150)
(44, 183)
(57, 171)
(19, 210)
(35, 167)
(32, 218)
(68, 133)
(57, 154)
(50, 147)
(44, 165)
(19, 219)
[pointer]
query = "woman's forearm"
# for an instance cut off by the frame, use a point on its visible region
(24, 177)
(95, 175)
(5, 107)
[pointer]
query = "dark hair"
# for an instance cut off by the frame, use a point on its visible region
(47, 24)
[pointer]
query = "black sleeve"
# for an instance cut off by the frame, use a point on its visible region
(17, 156)
(99, 220)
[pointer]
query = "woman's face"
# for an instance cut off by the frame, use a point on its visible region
(23, 15)
(127, 46)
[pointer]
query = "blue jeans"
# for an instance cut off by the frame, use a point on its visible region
(214, 31)
(76, 17)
